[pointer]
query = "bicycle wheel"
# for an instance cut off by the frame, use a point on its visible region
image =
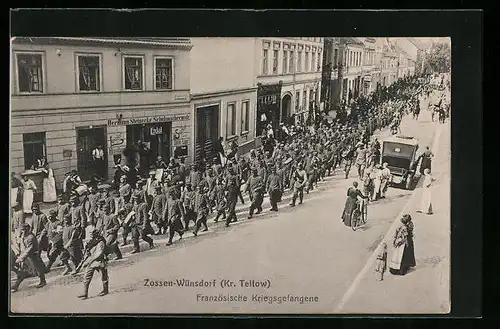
(355, 218)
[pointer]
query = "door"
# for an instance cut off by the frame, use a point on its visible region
(207, 121)
(286, 104)
(87, 139)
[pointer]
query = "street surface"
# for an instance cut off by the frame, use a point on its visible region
(301, 251)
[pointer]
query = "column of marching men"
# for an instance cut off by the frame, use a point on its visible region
(176, 199)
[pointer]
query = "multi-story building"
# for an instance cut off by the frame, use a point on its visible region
(389, 63)
(224, 90)
(288, 78)
(70, 95)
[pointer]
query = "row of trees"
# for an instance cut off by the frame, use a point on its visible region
(438, 60)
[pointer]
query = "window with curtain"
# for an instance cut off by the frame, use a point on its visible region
(29, 73)
(133, 73)
(275, 62)
(88, 73)
(34, 148)
(245, 116)
(163, 73)
(264, 61)
(231, 120)
(285, 64)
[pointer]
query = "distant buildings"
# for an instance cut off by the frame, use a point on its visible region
(357, 66)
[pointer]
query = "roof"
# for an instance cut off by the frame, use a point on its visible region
(408, 140)
(161, 42)
(353, 41)
(416, 43)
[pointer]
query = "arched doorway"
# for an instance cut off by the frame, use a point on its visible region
(286, 108)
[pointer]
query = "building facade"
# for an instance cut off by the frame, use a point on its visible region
(223, 91)
(70, 95)
(291, 68)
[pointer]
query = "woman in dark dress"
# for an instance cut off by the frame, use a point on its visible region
(403, 254)
(350, 203)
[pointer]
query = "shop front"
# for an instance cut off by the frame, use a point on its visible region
(268, 106)
(88, 140)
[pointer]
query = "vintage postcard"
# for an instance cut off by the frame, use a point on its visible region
(230, 175)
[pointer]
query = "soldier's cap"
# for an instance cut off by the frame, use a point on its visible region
(25, 226)
(52, 212)
(35, 206)
(158, 188)
(102, 201)
(122, 211)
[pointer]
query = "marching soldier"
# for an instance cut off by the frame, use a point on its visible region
(62, 208)
(39, 228)
(141, 227)
(29, 259)
(200, 209)
(72, 244)
(108, 228)
(255, 185)
(300, 179)
(95, 260)
(174, 214)
(220, 200)
(274, 188)
(188, 203)
(158, 211)
(54, 233)
(385, 177)
(93, 205)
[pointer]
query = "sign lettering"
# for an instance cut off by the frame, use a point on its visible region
(156, 119)
(156, 131)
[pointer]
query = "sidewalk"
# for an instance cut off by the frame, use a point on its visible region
(425, 288)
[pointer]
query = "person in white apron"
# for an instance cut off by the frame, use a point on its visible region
(49, 185)
(426, 204)
(29, 187)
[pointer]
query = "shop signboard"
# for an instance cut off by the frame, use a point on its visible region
(156, 131)
(146, 120)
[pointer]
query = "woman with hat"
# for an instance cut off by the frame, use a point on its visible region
(28, 192)
(403, 250)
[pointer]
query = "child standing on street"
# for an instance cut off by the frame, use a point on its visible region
(381, 262)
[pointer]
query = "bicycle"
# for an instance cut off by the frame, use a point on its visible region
(359, 214)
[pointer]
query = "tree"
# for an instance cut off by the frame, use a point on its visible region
(439, 58)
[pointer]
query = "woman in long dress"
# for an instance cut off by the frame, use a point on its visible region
(49, 185)
(350, 203)
(403, 252)
(426, 205)
(29, 187)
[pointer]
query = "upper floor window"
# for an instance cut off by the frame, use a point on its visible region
(318, 64)
(275, 62)
(335, 58)
(299, 61)
(245, 116)
(308, 63)
(133, 73)
(285, 63)
(89, 73)
(30, 73)
(231, 120)
(264, 61)
(163, 73)
(290, 62)
(313, 61)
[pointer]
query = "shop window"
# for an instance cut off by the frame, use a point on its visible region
(89, 73)
(264, 61)
(163, 73)
(245, 116)
(133, 73)
(231, 120)
(30, 73)
(297, 100)
(34, 148)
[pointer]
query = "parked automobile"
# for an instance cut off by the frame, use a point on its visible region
(400, 154)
